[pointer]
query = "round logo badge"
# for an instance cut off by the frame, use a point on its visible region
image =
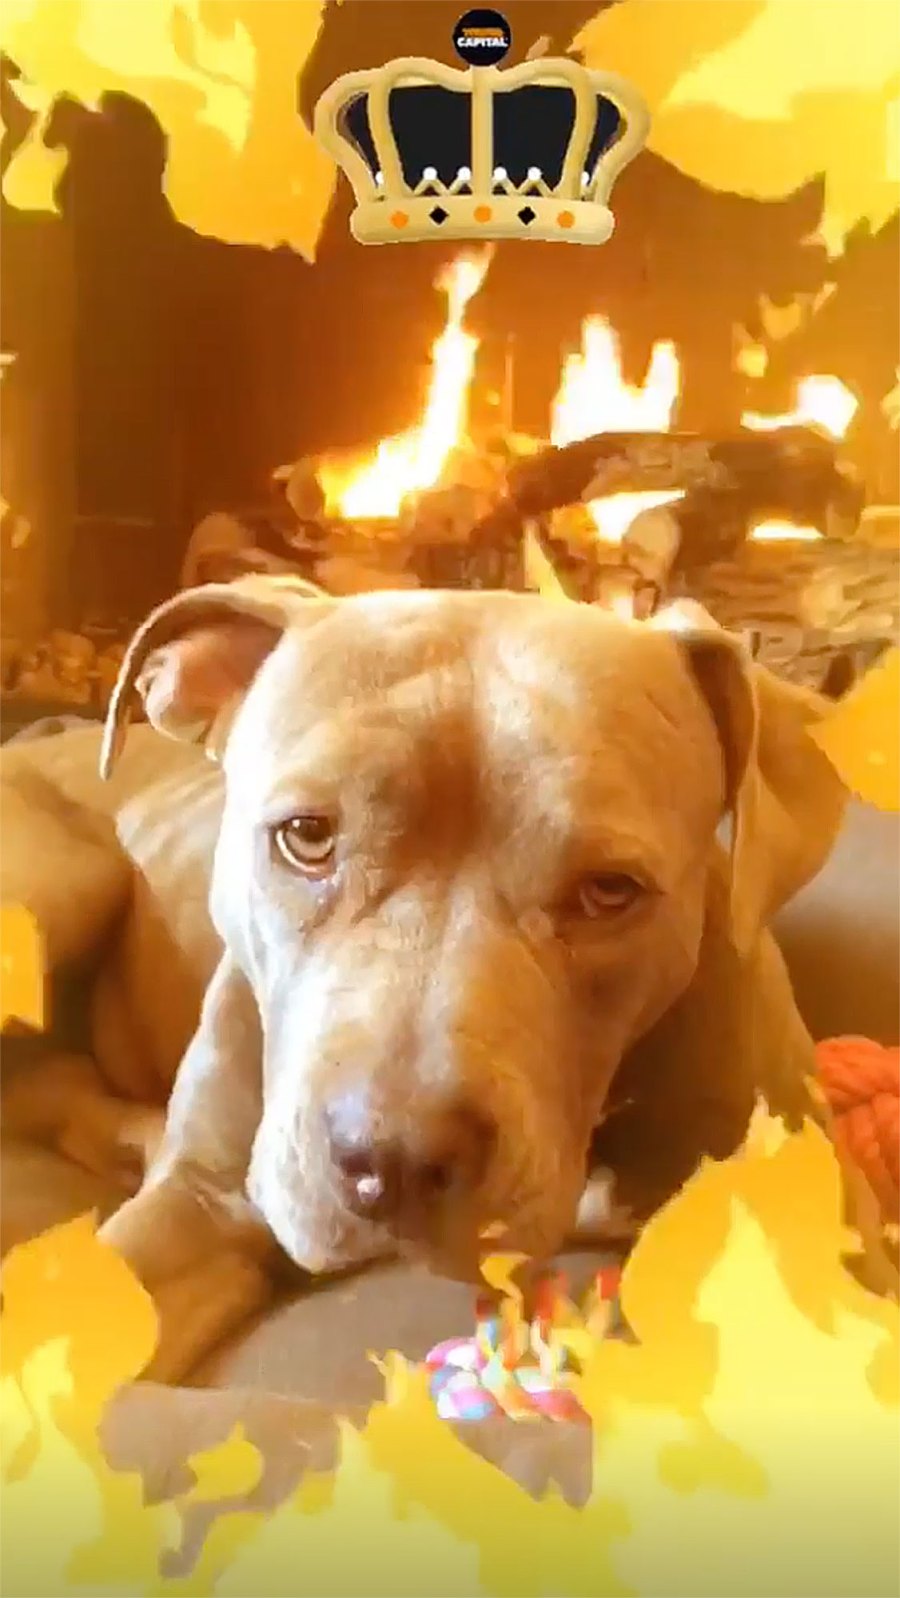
(482, 38)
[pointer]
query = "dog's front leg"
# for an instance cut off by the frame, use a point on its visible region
(191, 1234)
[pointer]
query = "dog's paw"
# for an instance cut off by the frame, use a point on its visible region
(202, 1308)
(115, 1141)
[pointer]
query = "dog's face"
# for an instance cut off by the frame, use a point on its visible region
(463, 864)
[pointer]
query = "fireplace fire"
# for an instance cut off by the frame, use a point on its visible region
(415, 460)
(821, 402)
(593, 398)
(616, 500)
(762, 526)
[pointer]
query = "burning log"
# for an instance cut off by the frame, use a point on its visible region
(497, 563)
(729, 484)
(221, 548)
(302, 490)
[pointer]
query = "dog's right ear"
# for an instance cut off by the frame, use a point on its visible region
(785, 798)
(197, 654)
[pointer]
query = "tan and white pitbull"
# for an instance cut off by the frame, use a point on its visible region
(439, 873)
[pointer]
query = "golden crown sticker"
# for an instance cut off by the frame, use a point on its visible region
(556, 190)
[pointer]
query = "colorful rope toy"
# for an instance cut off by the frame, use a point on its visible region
(861, 1081)
(524, 1369)
(518, 1368)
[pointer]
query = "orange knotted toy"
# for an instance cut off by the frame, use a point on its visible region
(861, 1080)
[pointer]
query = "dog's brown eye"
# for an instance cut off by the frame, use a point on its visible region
(306, 843)
(608, 892)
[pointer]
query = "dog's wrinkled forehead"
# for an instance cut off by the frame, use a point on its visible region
(564, 711)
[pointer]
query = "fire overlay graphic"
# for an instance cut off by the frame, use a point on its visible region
(757, 97)
(746, 1440)
(221, 80)
(718, 1437)
(754, 97)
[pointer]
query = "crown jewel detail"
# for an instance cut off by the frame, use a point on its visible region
(563, 197)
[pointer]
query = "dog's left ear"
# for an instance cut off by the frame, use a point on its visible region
(784, 797)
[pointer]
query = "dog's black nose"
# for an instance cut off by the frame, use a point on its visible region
(398, 1181)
